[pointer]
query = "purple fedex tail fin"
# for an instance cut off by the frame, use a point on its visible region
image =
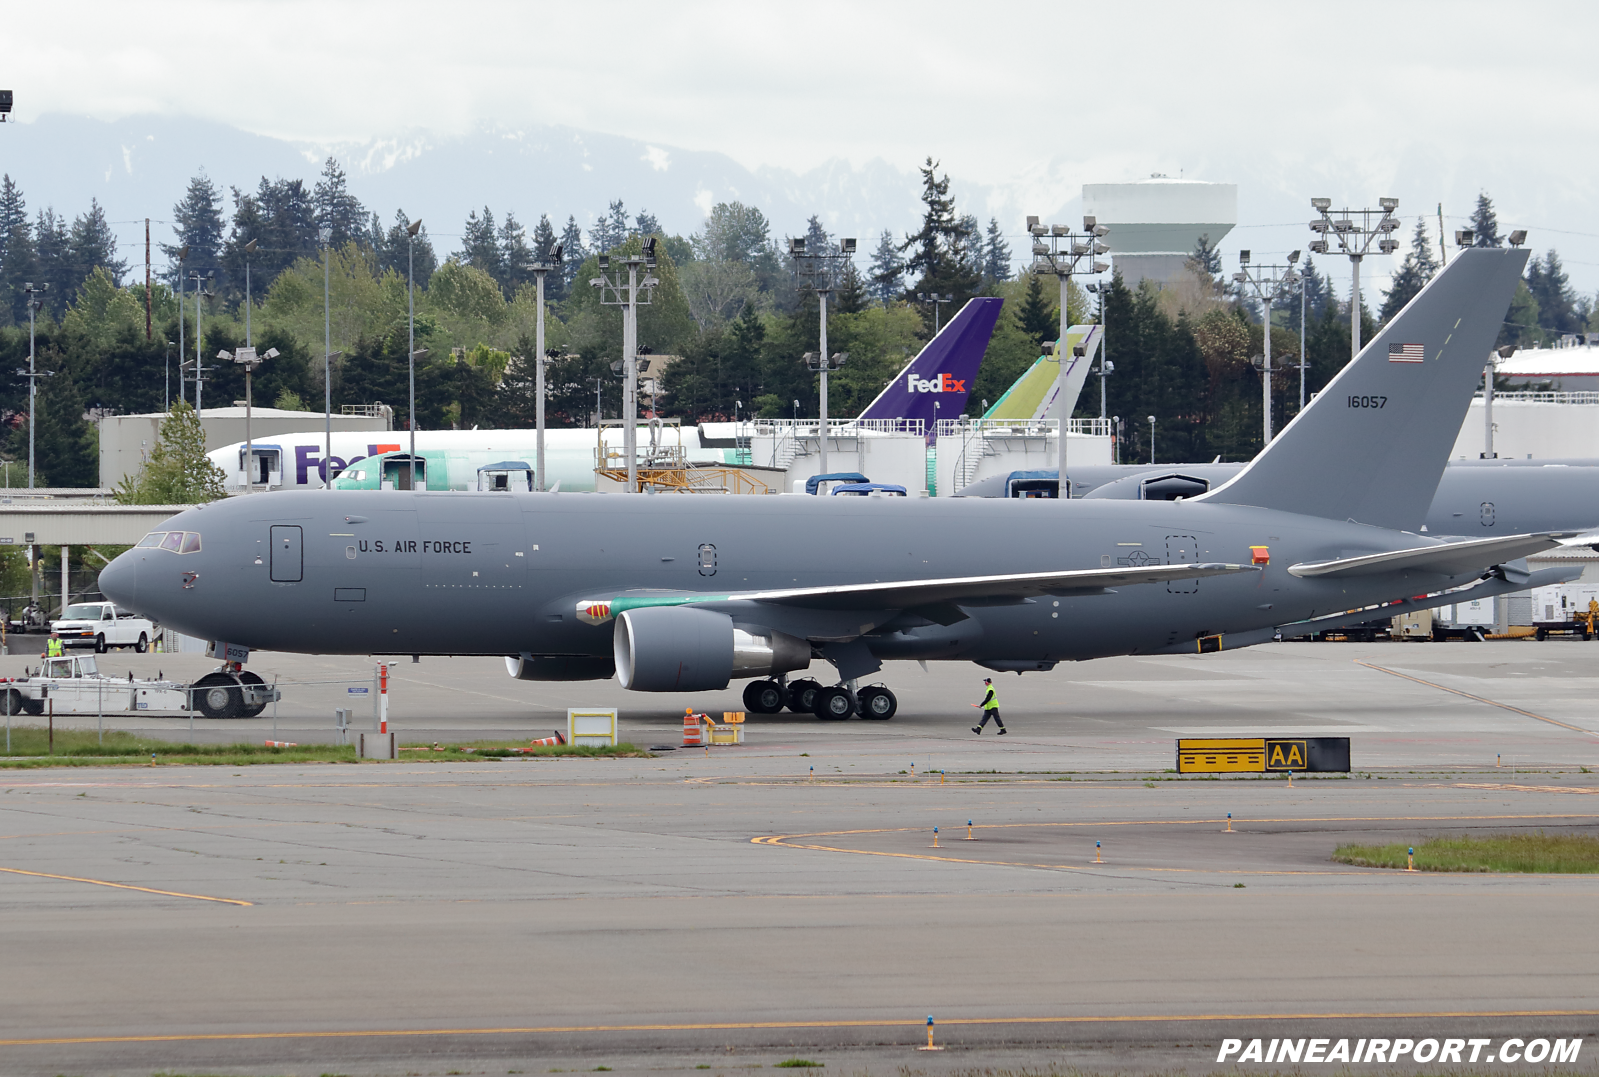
(944, 371)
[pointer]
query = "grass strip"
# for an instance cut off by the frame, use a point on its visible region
(30, 748)
(1555, 854)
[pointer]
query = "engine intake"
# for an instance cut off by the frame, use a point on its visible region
(682, 649)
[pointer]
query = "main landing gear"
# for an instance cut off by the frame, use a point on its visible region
(834, 703)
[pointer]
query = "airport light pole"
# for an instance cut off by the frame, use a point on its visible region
(410, 321)
(1266, 281)
(1106, 367)
(818, 269)
(613, 293)
(1059, 250)
(326, 236)
(249, 360)
(204, 288)
(33, 373)
(937, 301)
(1151, 439)
(550, 263)
(1355, 240)
(183, 255)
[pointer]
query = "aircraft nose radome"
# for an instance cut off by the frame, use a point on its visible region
(119, 580)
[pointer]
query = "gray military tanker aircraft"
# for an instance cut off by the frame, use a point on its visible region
(688, 593)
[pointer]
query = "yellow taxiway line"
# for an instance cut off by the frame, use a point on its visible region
(1479, 699)
(126, 886)
(726, 1026)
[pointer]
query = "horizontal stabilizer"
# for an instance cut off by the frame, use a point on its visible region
(1448, 558)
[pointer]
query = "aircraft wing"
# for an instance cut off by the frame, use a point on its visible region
(905, 594)
(1448, 558)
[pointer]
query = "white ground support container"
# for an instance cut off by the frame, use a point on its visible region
(1565, 608)
(969, 451)
(890, 451)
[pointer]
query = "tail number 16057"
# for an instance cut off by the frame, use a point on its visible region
(1368, 401)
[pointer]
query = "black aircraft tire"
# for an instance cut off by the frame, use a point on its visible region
(802, 696)
(877, 703)
(143, 644)
(763, 697)
(218, 696)
(250, 711)
(834, 704)
(11, 702)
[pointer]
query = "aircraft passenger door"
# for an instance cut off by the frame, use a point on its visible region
(288, 553)
(1181, 550)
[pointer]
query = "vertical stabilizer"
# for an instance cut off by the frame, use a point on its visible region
(1034, 394)
(943, 372)
(1373, 444)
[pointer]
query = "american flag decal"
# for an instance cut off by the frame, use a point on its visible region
(1405, 353)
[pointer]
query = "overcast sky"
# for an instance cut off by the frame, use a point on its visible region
(1426, 102)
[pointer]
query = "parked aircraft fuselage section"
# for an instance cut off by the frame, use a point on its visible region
(467, 573)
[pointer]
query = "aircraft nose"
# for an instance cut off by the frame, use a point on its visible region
(119, 580)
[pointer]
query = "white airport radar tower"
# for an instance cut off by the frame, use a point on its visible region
(1156, 223)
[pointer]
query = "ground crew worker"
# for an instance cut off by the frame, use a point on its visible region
(53, 649)
(990, 705)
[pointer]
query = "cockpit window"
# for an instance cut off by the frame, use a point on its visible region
(172, 540)
(191, 542)
(153, 538)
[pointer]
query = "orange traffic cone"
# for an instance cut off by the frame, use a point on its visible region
(550, 742)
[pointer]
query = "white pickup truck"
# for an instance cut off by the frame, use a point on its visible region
(102, 625)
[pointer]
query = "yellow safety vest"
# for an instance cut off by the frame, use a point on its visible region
(53, 650)
(991, 699)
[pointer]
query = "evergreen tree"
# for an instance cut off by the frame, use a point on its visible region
(91, 243)
(851, 296)
(888, 271)
(1414, 272)
(996, 253)
(1485, 223)
(515, 255)
(970, 245)
(647, 225)
(178, 471)
(65, 445)
(395, 250)
(818, 272)
(18, 261)
(198, 223)
(1551, 289)
(572, 252)
(337, 209)
(52, 247)
(611, 230)
(1038, 317)
(937, 248)
(1206, 258)
(281, 218)
(480, 245)
(544, 241)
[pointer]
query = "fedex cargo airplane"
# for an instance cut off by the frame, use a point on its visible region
(943, 371)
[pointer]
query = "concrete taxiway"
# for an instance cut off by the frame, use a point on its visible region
(728, 909)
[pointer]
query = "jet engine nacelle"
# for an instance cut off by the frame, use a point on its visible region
(682, 649)
(560, 667)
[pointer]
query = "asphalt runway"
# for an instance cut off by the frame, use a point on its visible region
(728, 909)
